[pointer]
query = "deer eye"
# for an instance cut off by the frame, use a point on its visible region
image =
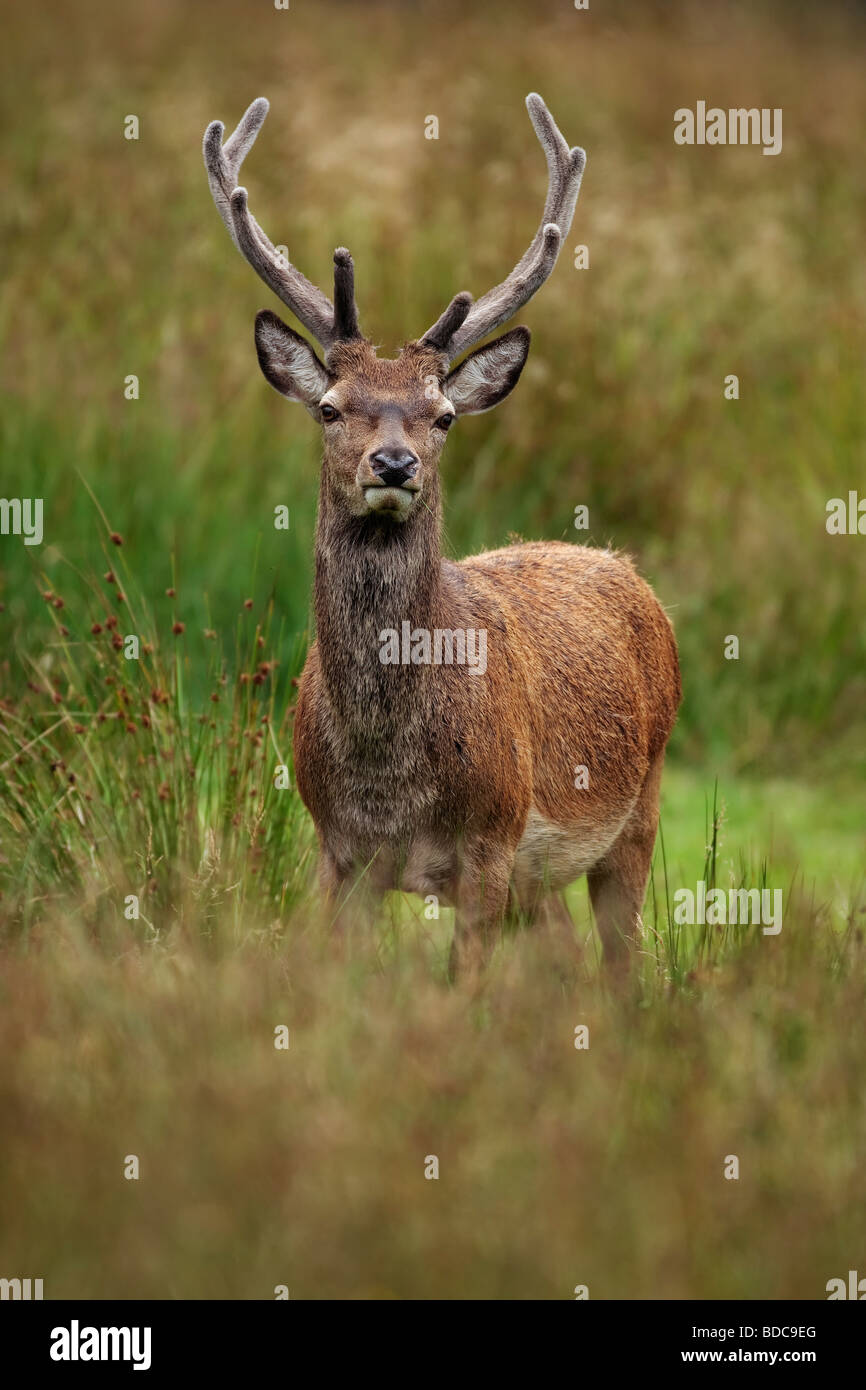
(445, 421)
(329, 413)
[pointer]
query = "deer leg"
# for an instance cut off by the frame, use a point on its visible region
(545, 911)
(618, 882)
(554, 918)
(347, 893)
(538, 906)
(482, 900)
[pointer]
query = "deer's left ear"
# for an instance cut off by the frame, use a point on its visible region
(488, 374)
(289, 362)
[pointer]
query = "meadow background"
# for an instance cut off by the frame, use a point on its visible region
(155, 1036)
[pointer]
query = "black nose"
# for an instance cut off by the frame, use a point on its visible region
(394, 466)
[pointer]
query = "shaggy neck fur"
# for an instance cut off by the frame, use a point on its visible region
(372, 574)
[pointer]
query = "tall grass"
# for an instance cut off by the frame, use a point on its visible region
(116, 780)
(258, 1167)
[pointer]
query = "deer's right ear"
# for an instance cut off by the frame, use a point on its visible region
(289, 362)
(486, 376)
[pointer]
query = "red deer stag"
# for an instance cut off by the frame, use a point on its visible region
(445, 708)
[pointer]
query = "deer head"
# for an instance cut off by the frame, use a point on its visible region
(385, 421)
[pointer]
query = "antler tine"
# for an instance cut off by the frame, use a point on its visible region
(565, 170)
(443, 330)
(223, 162)
(345, 308)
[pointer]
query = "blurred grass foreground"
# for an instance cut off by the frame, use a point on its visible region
(168, 989)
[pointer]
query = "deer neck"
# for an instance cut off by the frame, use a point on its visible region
(373, 576)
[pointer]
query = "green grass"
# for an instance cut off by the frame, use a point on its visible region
(153, 1034)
